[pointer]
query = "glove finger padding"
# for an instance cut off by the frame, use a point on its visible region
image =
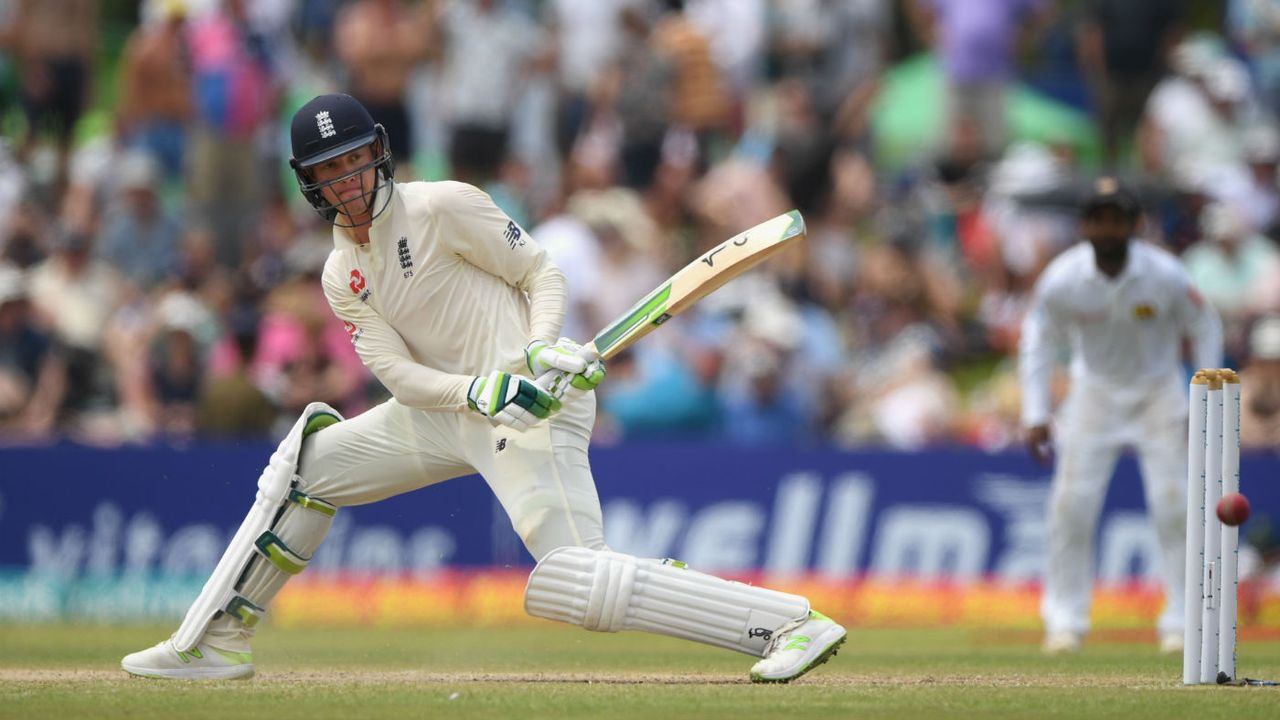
(510, 399)
(590, 377)
(563, 356)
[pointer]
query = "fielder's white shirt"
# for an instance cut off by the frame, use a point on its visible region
(447, 288)
(1124, 334)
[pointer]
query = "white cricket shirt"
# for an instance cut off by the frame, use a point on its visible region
(1124, 334)
(447, 288)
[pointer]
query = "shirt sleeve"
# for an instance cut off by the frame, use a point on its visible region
(1042, 342)
(486, 237)
(1199, 323)
(383, 351)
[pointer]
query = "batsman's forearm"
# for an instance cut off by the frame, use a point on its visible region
(548, 297)
(419, 386)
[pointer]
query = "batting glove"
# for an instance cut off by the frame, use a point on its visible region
(510, 400)
(563, 356)
(558, 366)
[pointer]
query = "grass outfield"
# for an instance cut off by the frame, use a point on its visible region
(57, 671)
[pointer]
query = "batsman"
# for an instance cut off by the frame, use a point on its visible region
(457, 311)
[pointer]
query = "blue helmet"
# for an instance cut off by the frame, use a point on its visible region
(330, 126)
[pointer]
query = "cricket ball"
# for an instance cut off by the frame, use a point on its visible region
(1233, 509)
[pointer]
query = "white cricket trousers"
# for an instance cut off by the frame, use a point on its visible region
(1095, 425)
(541, 475)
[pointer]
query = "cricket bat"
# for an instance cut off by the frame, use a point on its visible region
(693, 282)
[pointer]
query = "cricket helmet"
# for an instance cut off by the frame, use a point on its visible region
(330, 126)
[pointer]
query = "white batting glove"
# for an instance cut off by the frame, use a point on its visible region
(510, 400)
(563, 356)
(558, 366)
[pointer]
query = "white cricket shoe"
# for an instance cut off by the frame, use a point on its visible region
(796, 650)
(1062, 643)
(202, 662)
(1171, 643)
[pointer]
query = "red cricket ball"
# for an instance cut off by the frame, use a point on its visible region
(1233, 509)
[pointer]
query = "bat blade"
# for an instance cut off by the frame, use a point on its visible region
(700, 278)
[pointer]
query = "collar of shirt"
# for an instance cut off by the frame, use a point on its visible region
(344, 237)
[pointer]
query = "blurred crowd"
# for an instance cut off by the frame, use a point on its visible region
(159, 271)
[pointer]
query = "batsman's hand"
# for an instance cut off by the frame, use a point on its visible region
(1040, 443)
(566, 363)
(510, 400)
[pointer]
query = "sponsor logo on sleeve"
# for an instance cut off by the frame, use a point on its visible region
(358, 286)
(352, 330)
(513, 235)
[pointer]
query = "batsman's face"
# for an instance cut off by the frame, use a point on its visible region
(1109, 230)
(348, 182)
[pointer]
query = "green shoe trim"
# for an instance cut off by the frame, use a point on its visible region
(799, 642)
(237, 658)
(822, 657)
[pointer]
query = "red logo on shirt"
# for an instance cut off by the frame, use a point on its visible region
(357, 282)
(352, 330)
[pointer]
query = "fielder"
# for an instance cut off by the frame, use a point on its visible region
(448, 302)
(1121, 309)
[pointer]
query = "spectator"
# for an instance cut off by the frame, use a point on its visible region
(976, 43)
(304, 353)
(640, 92)
(139, 237)
(736, 29)
(80, 295)
(235, 97)
(1235, 268)
(1205, 149)
(232, 405)
(489, 49)
(55, 42)
(1255, 26)
(1260, 387)
(1121, 46)
(765, 397)
(32, 374)
(155, 88)
(699, 102)
(176, 363)
(381, 41)
(585, 34)
(1260, 202)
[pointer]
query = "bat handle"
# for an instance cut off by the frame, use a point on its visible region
(555, 382)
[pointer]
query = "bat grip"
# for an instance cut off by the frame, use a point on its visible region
(553, 382)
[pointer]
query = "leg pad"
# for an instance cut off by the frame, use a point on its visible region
(610, 591)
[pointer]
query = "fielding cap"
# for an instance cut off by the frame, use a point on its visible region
(1107, 191)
